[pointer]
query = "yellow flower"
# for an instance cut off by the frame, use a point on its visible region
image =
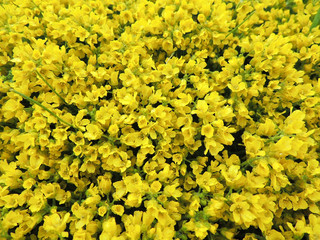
(28, 66)
(267, 128)
(168, 70)
(102, 211)
(241, 210)
(233, 176)
(207, 130)
(133, 199)
(187, 25)
(27, 184)
(56, 222)
(135, 139)
(155, 186)
(212, 146)
(49, 190)
(236, 84)
(12, 219)
(36, 202)
(254, 144)
(279, 180)
(172, 191)
(224, 135)
(133, 225)
(255, 182)
(283, 147)
(104, 183)
(206, 181)
(200, 228)
(126, 16)
(81, 33)
(120, 190)
(110, 230)
(215, 208)
(113, 129)
(294, 124)
(10, 108)
(93, 132)
(133, 183)
(314, 220)
(117, 209)
(77, 138)
(274, 235)
(79, 121)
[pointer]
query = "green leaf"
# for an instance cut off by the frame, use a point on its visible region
(316, 20)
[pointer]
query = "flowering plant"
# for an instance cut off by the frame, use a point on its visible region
(163, 119)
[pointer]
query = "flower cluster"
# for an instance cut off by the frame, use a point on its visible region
(163, 119)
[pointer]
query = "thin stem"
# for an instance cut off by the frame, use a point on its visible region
(37, 6)
(45, 108)
(46, 82)
(244, 20)
(170, 57)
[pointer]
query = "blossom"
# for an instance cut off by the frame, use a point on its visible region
(93, 132)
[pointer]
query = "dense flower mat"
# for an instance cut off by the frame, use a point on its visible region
(163, 119)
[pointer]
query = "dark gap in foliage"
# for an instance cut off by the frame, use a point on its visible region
(85, 59)
(135, 126)
(72, 129)
(212, 65)
(189, 84)
(108, 97)
(40, 37)
(285, 111)
(25, 39)
(247, 60)
(298, 65)
(16, 191)
(73, 109)
(238, 49)
(160, 11)
(116, 177)
(12, 123)
(87, 116)
(25, 103)
(131, 210)
(195, 118)
(266, 83)
(237, 147)
(44, 167)
(242, 232)
(94, 142)
(156, 104)
(195, 18)
(226, 93)
(70, 187)
(34, 94)
(179, 53)
(134, 150)
(314, 76)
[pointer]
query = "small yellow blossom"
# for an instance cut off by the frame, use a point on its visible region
(93, 132)
(117, 209)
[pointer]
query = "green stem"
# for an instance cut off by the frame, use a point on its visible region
(37, 6)
(46, 82)
(45, 108)
(250, 161)
(244, 20)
